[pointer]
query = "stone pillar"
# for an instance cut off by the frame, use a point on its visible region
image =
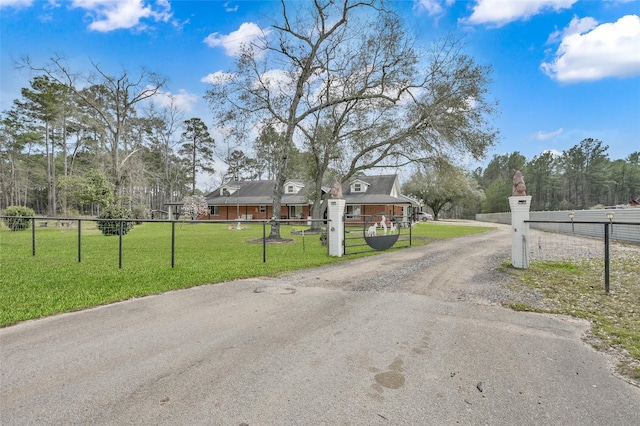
(335, 232)
(520, 206)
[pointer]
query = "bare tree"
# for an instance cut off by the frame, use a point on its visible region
(349, 65)
(165, 124)
(112, 99)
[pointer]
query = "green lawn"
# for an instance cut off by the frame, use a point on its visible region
(53, 281)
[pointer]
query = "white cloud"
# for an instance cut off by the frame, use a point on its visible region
(233, 42)
(109, 15)
(501, 12)
(554, 153)
(433, 7)
(182, 100)
(276, 81)
(589, 51)
(228, 8)
(218, 77)
(543, 136)
(576, 26)
(15, 3)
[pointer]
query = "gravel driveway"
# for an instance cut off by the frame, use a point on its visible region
(413, 337)
(455, 269)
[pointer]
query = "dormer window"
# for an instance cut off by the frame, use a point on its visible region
(359, 186)
(226, 191)
(292, 187)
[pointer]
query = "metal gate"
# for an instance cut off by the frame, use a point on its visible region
(379, 231)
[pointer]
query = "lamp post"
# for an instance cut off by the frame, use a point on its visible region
(571, 216)
(610, 217)
(606, 251)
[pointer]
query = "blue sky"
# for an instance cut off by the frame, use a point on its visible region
(564, 70)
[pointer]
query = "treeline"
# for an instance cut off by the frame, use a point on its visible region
(581, 177)
(69, 148)
(66, 150)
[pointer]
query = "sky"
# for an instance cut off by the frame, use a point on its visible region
(563, 70)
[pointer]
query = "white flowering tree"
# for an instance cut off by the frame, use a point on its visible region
(195, 206)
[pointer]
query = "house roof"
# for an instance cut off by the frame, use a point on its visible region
(382, 189)
(256, 192)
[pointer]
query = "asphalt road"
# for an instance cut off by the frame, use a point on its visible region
(412, 337)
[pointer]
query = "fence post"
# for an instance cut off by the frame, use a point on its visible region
(410, 234)
(264, 242)
(79, 240)
(120, 247)
(343, 219)
(33, 236)
(173, 243)
(606, 258)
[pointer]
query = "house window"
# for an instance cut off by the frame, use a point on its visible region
(295, 212)
(263, 209)
(353, 211)
(290, 189)
(357, 187)
(214, 210)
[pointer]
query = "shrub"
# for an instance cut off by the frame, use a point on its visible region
(113, 227)
(139, 212)
(18, 222)
(323, 239)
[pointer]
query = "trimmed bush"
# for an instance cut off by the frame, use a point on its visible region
(139, 212)
(18, 222)
(113, 227)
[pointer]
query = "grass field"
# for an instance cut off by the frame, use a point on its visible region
(53, 281)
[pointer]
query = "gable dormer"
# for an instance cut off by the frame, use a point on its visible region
(228, 190)
(292, 187)
(358, 186)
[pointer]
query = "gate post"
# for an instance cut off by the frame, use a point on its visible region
(335, 234)
(520, 206)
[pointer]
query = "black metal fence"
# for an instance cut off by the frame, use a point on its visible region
(572, 241)
(120, 227)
